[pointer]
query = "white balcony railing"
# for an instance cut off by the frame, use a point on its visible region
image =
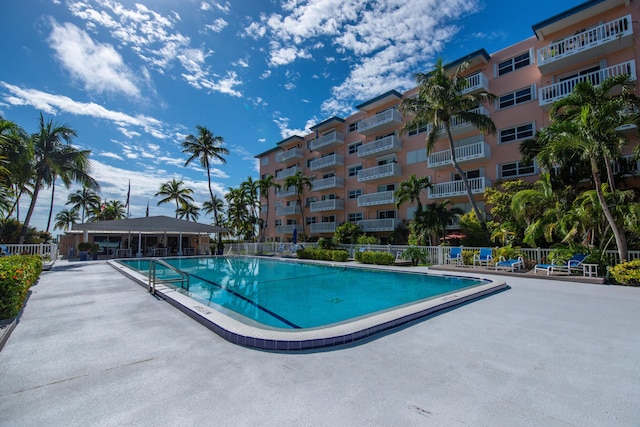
(332, 182)
(329, 161)
(327, 205)
(456, 188)
(387, 224)
(458, 125)
(556, 91)
(592, 42)
(294, 153)
(288, 210)
(287, 172)
(378, 172)
(381, 198)
(476, 82)
(466, 149)
(388, 144)
(379, 122)
(326, 141)
(322, 227)
(285, 229)
(288, 192)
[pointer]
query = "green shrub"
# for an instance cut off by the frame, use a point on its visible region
(379, 258)
(467, 256)
(627, 273)
(17, 274)
(508, 252)
(338, 255)
(324, 243)
(416, 255)
(368, 240)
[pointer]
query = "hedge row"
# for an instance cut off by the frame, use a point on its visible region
(323, 254)
(627, 273)
(17, 274)
(374, 257)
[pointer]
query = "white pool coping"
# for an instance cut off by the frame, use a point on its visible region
(227, 324)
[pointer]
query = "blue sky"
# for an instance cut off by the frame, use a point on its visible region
(134, 78)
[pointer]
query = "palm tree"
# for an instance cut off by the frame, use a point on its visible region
(238, 216)
(65, 219)
(214, 206)
(189, 211)
(173, 191)
(86, 200)
(51, 157)
(17, 148)
(207, 148)
(299, 182)
(409, 190)
(250, 189)
(587, 124)
(439, 99)
(110, 210)
(264, 186)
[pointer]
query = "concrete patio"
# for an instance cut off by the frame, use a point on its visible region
(94, 348)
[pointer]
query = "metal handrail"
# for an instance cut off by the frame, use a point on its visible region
(153, 263)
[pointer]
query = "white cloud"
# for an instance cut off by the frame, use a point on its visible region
(110, 155)
(217, 26)
(99, 67)
(286, 132)
(290, 86)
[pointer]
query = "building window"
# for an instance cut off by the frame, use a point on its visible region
(515, 133)
(476, 173)
(353, 148)
(355, 217)
(353, 127)
(265, 161)
(386, 214)
(515, 98)
(417, 156)
(386, 187)
(329, 218)
(421, 129)
(278, 222)
(514, 63)
(353, 194)
(310, 200)
(311, 220)
(309, 161)
(353, 170)
(292, 222)
(510, 170)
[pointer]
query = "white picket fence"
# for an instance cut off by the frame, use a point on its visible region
(48, 251)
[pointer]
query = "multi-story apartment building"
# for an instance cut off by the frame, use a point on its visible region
(356, 163)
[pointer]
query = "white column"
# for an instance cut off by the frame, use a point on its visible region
(180, 245)
(139, 254)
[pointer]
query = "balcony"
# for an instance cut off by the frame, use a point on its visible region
(322, 227)
(459, 126)
(551, 93)
(327, 142)
(288, 210)
(292, 154)
(381, 122)
(287, 172)
(285, 229)
(456, 188)
(381, 198)
(586, 45)
(476, 83)
(466, 149)
(371, 225)
(289, 192)
(380, 147)
(327, 205)
(379, 172)
(325, 183)
(327, 162)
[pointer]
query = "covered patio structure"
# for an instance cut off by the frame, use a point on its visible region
(146, 236)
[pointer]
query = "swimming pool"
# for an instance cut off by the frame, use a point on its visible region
(298, 302)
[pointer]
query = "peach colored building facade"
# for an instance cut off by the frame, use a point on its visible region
(357, 162)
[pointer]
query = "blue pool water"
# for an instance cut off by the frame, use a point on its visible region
(294, 295)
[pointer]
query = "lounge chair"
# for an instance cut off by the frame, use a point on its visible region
(454, 256)
(513, 264)
(485, 257)
(575, 263)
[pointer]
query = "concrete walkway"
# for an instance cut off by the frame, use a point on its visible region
(93, 348)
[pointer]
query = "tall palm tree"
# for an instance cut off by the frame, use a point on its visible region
(189, 211)
(214, 206)
(110, 210)
(85, 200)
(250, 189)
(65, 219)
(410, 189)
(299, 182)
(239, 219)
(587, 123)
(264, 186)
(174, 191)
(207, 148)
(50, 157)
(17, 148)
(439, 99)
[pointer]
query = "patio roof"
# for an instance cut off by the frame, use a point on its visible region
(151, 224)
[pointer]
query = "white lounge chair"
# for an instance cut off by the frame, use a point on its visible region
(575, 263)
(513, 264)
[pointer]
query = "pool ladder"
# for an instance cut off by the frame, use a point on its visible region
(153, 279)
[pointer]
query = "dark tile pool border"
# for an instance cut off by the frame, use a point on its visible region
(272, 339)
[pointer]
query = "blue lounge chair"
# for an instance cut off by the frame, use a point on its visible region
(575, 263)
(485, 257)
(454, 256)
(513, 264)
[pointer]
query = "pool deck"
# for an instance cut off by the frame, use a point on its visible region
(94, 348)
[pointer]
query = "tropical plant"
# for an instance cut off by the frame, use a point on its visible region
(174, 190)
(85, 200)
(264, 186)
(416, 254)
(239, 219)
(440, 97)
(299, 182)
(65, 219)
(250, 189)
(347, 233)
(214, 206)
(109, 210)
(410, 190)
(189, 211)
